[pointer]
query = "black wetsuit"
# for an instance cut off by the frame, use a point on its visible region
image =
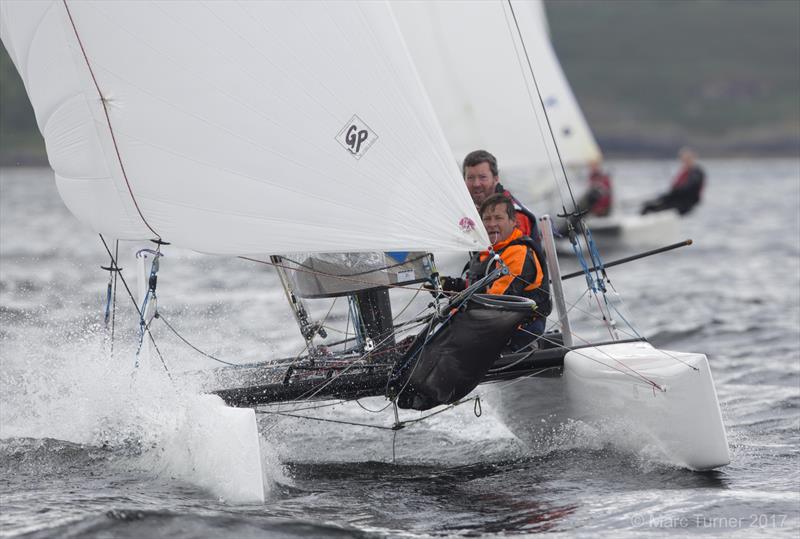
(684, 195)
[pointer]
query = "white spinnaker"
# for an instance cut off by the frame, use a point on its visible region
(470, 58)
(224, 117)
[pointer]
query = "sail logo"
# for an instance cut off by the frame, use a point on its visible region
(466, 224)
(356, 137)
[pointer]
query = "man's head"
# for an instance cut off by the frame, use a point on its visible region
(498, 216)
(687, 156)
(595, 165)
(480, 175)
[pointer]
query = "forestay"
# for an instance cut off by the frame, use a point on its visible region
(470, 57)
(240, 127)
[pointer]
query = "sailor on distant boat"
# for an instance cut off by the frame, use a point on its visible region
(597, 200)
(482, 177)
(686, 187)
(525, 260)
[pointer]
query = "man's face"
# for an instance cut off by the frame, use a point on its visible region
(480, 182)
(497, 222)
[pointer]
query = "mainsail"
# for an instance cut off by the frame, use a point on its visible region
(470, 56)
(240, 127)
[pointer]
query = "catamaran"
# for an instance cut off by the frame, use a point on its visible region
(300, 135)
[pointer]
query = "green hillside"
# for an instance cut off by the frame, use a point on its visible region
(651, 75)
(723, 75)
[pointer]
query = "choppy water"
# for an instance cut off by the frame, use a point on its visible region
(86, 451)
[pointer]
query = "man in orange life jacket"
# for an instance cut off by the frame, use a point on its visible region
(525, 261)
(483, 180)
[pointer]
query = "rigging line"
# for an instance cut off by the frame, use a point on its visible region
(367, 272)
(428, 336)
(316, 390)
(397, 329)
(122, 278)
(607, 320)
(574, 306)
(304, 408)
(419, 289)
(135, 305)
(396, 427)
(403, 326)
(326, 420)
(329, 312)
(358, 281)
(547, 118)
(507, 383)
(193, 347)
(311, 393)
(636, 374)
(559, 345)
(114, 297)
(104, 101)
(371, 410)
(279, 404)
(445, 409)
(160, 356)
(633, 372)
(533, 108)
(541, 101)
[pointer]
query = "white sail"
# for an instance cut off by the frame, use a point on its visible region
(573, 135)
(240, 127)
(470, 57)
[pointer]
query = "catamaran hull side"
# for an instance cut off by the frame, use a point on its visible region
(645, 399)
(608, 388)
(679, 415)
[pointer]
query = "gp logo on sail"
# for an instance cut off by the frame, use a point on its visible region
(356, 137)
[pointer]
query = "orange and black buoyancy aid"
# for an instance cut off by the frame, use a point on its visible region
(528, 266)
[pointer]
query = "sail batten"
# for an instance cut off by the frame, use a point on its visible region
(242, 128)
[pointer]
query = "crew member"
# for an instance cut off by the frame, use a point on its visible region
(686, 187)
(597, 199)
(483, 180)
(525, 261)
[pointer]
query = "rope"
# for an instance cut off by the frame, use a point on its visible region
(114, 297)
(104, 101)
(541, 101)
(331, 275)
(367, 272)
(111, 296)
(193, 347)
(395, 427)
(136, 306)
(326, 420)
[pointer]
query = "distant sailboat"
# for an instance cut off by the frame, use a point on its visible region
(299, 135)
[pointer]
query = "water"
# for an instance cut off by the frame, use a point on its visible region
(88, 450)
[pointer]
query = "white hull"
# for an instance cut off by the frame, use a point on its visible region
(631, 231)
(607, 387)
